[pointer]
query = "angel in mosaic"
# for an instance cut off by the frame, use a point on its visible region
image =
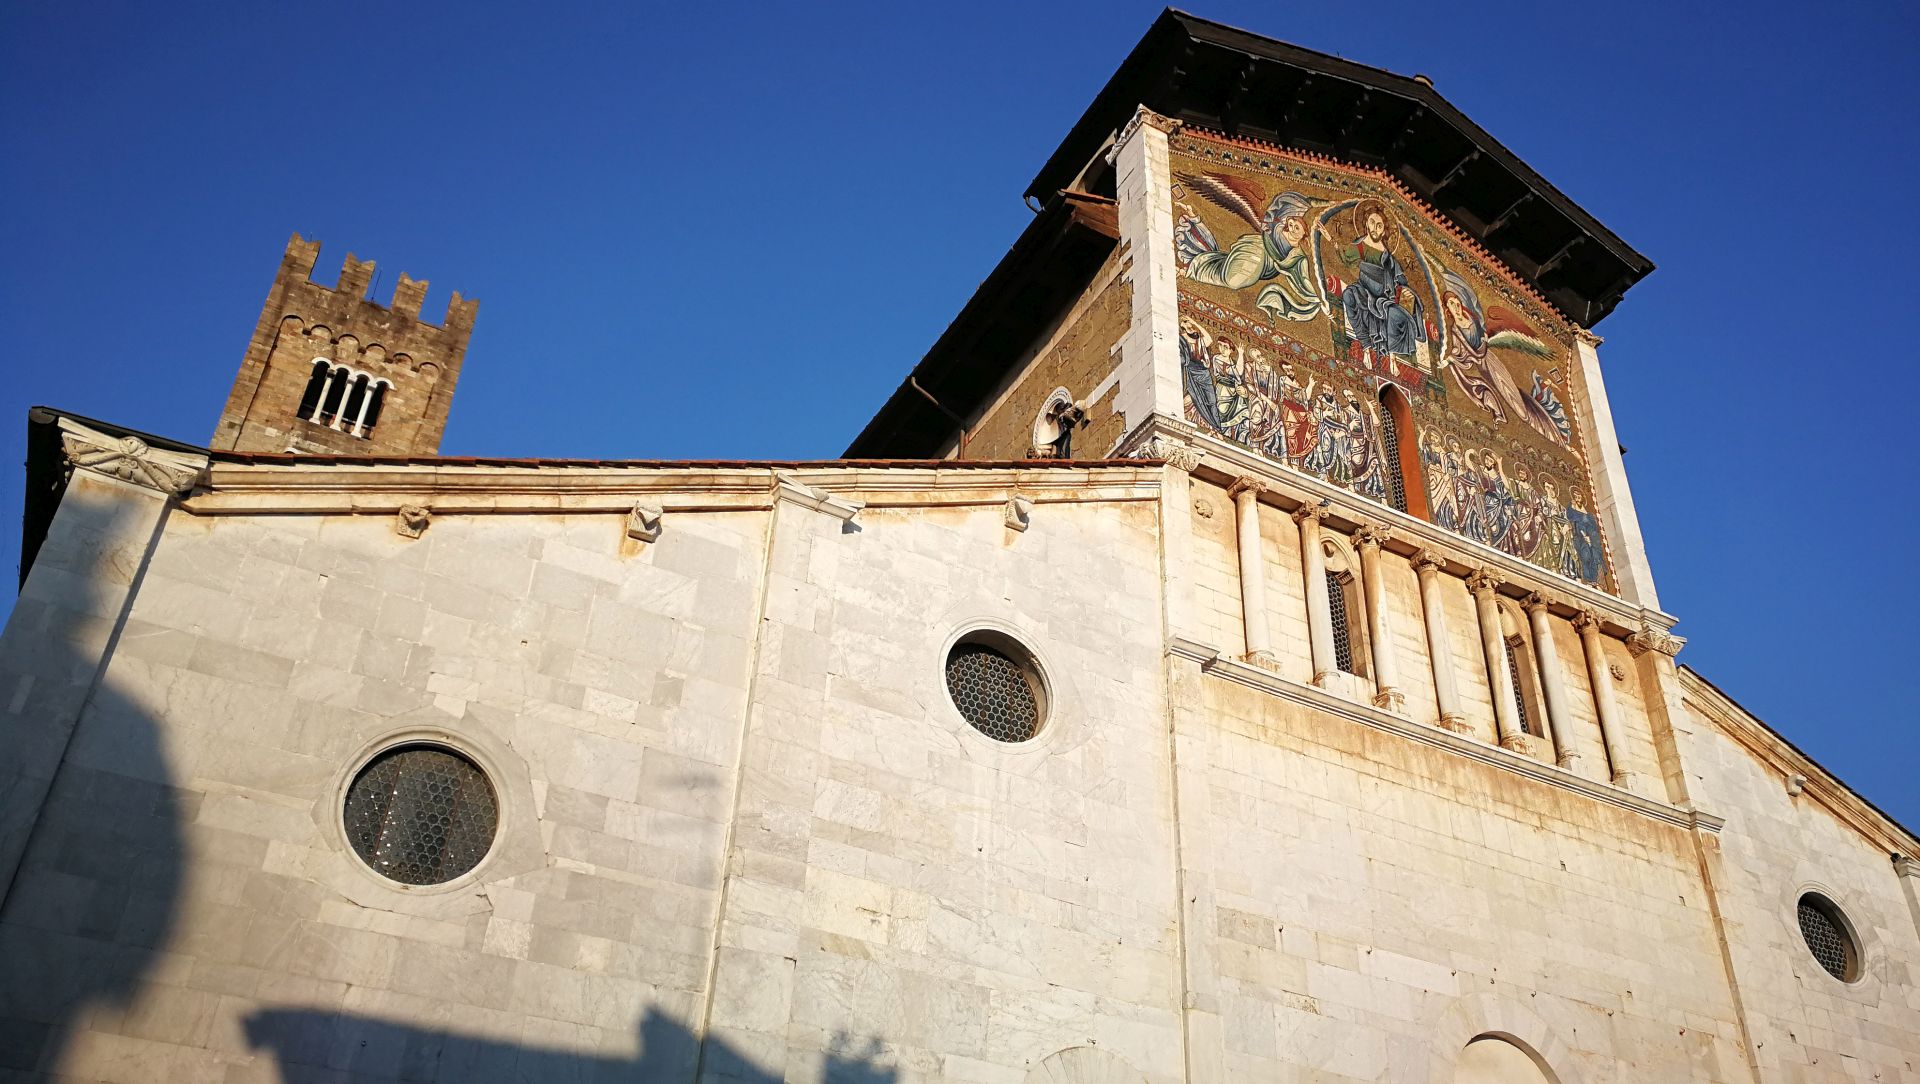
(1476, 340)
(1275, 252)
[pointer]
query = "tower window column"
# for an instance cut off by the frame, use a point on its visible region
(1433, 612)
(1313, 564)
(1386, 676)
(1502, 671)
(1553, 683)
(1606, 708)
(1253, 573)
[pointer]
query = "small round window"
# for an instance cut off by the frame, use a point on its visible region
(421, 814)
(1828, 937)
(996, 685)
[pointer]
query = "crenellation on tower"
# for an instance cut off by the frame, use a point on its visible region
(330, 370)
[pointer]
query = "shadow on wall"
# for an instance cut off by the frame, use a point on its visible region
(316, 1045)
(138, 937)
(93, 903)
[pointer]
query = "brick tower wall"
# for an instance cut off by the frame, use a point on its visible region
(304, 322)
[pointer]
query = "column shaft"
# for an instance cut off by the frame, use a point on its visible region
(1386, 678)
(1553, 684)
(1493, 643)
(1253, 573)
(1605, 706)
(1313, 564)
(1439, 652)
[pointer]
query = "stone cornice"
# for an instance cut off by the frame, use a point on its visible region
(1214, 664)
(320, 489)
(1774, 751)
(130, 459)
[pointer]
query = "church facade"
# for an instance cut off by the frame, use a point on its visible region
(1231, 655)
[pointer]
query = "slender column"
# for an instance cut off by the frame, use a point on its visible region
(1253, 573)
(1313, 564)
(326, 388)
(1386, 680)
(1605, 706)
(1439, 652)
(1553, 683)
(1485, 585)
(360, 419)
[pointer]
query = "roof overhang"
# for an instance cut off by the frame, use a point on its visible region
(1245, 85)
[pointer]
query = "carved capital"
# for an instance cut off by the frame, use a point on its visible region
(1652, 639)
(1176, 454)
(1372, 536)
(1426, 561)
(1252, 488)
(1587, 620)
(1535, 601)
(1142, 118)
(412, 520)
(130, 459)
(1484, 581)
(1305, 512)
(643, 523)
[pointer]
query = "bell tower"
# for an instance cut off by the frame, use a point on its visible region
(329, 370)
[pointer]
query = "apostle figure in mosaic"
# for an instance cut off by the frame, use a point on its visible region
(1296, 417)
(1475, 339)
(1468, 496)
(1364, 451)
(1275, 252)
(1587, 545)
(1436, 464)
(1496, 499)
(1528, 522)
(1383, 313)
(1556, 543)
(1202, 406)
(1333, 437)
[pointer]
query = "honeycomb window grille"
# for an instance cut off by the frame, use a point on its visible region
(996, 687)
(421, 815)
(1390, 446)
(1827, 937)
(1342, 631)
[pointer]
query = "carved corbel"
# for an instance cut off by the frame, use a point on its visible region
(1653, 639)
(643, 523)
(130, 459)
(412, 520)
(1019, 512)
(788, 488)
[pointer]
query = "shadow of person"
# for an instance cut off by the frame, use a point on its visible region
(94, 899)
(314, 1044)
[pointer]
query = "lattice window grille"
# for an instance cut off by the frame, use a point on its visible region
(1390, 441)
(421, 815)
(1342, 633)
(1519, 690)
(994, 693)
(1827, 940)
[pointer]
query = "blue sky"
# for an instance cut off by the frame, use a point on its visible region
(729, 231)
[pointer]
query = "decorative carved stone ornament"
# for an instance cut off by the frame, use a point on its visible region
(788, 488)
(1141, 117)
(1586, 619)
(1251, 486)
(1203, 508)
(1175, 453)
(1618, 671)
(1372, 535)
(130, 459)
(1483, 581)
(1307, 512)
(1652, 639)
(1534, 601)
(1426, 560)
(643, 523)
(412, 520)
(1019, 512)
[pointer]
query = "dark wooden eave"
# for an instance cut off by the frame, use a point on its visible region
(1035, 282)
(1240, 83)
